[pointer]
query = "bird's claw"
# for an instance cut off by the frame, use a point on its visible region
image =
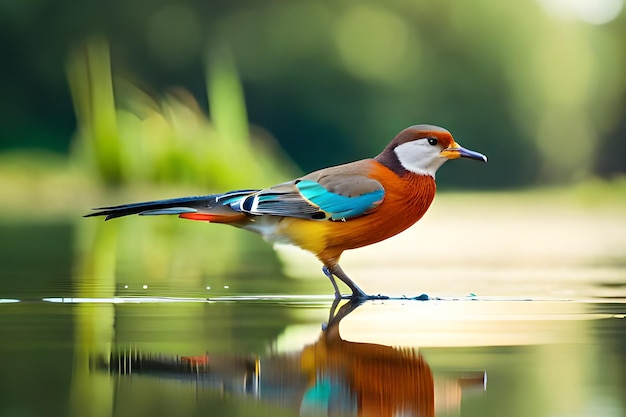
(378, 297)
(364, 297)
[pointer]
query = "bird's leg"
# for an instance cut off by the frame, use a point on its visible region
(331, 277)
(336, 271)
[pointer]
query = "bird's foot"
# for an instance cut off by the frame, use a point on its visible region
(357, 293)
(363, 297)
(378, 297)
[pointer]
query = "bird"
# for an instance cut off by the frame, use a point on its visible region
(335, 209)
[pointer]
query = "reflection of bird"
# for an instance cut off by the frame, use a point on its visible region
(333, 209)
(381, 380)
(375, 380)
(330, 377)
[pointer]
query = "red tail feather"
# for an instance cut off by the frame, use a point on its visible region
(215, 218)
(199, 216)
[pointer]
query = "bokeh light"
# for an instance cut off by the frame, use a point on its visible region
(597, 12)
(374, 44)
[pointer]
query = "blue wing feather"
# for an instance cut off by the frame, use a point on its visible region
(339, 207)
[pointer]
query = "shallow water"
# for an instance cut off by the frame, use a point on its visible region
(156, 319)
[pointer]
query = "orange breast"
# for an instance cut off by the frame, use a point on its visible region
(406, 200)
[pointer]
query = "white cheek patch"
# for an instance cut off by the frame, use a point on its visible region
(419, 157)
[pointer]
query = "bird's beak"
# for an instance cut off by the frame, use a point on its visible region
(456, 151)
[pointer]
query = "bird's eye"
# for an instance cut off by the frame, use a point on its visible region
(432, 141)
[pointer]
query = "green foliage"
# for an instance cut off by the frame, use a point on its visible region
(125, 137)
(91, 85)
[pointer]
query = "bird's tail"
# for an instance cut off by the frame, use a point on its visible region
(214, 207)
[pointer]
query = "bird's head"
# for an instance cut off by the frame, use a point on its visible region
(422, 149)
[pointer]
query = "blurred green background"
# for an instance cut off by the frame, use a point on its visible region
(106, 102)
(537, 85)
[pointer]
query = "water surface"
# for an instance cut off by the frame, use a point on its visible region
(134, 319)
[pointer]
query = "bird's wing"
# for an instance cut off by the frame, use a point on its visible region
(327, 194)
